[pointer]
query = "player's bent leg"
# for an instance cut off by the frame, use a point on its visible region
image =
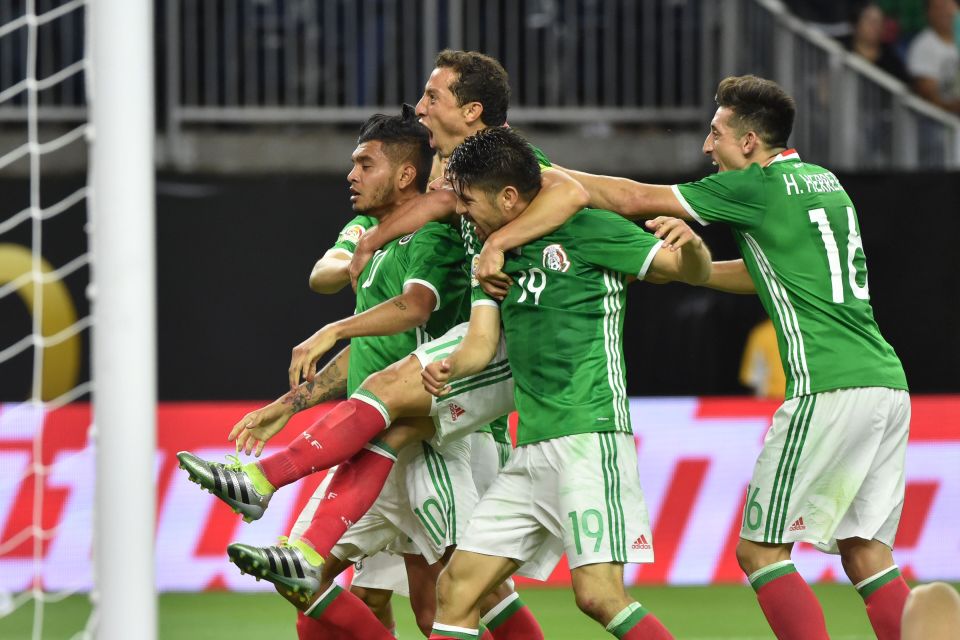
(870, 567)
(400, 388)
(422, 578)
(378, 601)
(788, 603)
(466, 579)
(599, 592)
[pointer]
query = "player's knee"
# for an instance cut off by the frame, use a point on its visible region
(377, 600)
(424, 617)
(453, 591)
(593, 602)
(862, 559)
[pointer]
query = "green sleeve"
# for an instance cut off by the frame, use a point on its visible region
(542, 158)
(612, 242)
(733, 197)
(435, 260)
(350, 234)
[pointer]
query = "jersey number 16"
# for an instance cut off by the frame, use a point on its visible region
(854, 242)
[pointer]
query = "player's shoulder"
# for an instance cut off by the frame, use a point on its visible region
(432, 233)
(542, 158)
(594, 222)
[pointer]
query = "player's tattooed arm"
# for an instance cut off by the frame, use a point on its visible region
(560, 197)
(629, 198)
(410, 309)
(475, 352)
(433, 206)
(731, 276)
(253, 431)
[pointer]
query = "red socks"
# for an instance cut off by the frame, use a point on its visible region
(636, 623)
(312, 629)
(885, 595)
(329, 441)
(347, 614)
(510, 619)
(787, 601)
(355, 487)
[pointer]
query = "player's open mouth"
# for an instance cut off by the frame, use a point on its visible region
(354, 196)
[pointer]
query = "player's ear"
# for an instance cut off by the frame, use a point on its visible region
(750, 142)
(406, 176)
(472, 112)
(508, 197)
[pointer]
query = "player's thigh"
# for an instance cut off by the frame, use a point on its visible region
(601, 504)
(484, 460)
(469, 576)
(382, 571)
(601, 580)
(400, 388)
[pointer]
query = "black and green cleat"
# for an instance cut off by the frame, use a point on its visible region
(229, 482)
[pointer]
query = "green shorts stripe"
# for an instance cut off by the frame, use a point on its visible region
(428, 454)
(770, 533)
(611, 486)
(441, 478)
(444, 345)
(490, 371)
(479, 385)
(804, 430)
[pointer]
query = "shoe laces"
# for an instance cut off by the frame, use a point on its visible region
(235, 463)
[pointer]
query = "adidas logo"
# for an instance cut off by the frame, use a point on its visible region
(641, 543)
(456, 411)
(798, 525)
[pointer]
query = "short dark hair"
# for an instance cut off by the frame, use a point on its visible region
(480, 78)
(404, 140)
(758, 105)
(492, 159)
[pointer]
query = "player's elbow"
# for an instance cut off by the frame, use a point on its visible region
(576, 195)
(323, 282)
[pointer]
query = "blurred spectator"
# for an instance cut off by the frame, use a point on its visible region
(934, 60)
(866, 39)
(760, 367)
(908, 15)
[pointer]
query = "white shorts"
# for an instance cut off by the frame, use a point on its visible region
(474, 401)
(577, 494)
(423, 508)
(380, 571)
(487, 458)
(831, 468)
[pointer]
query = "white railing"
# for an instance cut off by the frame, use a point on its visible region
(275, 62)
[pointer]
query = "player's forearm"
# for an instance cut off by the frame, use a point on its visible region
(399, 314)
(329, 384)
(695, 262)
(479, 345)
(433, 206)
(629, 198)
(558, 199)
(730, 276)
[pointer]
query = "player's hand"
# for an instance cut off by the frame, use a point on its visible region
(435, 376)
(303, 361)
(489, 272)
(673, 231)
(366, 247)
(254, 429)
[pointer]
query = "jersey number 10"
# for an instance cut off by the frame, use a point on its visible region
(854, 242)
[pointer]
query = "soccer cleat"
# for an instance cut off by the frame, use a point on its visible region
(284, 565)
(229, 482)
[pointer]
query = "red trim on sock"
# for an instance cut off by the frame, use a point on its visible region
(353, 490)
(791, 608)
(521, 625)
(885, 608)
(329, 441)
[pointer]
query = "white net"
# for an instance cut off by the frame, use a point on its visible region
(46, 463)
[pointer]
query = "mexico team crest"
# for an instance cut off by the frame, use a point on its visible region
(555, 258)
(351, 234)
(407, 238)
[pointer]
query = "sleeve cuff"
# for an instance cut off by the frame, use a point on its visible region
(686, 205)
(424, 283)
(646, 263)
(485, 302)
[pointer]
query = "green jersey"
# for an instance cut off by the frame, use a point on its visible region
(798, 233)
(563, 324)
(431, 257)
(350, 235)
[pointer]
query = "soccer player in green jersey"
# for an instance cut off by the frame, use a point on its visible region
(572, 485)
(831, 472)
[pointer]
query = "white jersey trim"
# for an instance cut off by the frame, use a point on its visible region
(612, 307)
(485, 302)
(649, 260)
(686, 206)
(789, 323)
(335, 250)
(424, 283)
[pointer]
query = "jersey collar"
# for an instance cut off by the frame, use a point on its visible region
(787, 154)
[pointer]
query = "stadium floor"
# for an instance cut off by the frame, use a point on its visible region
(693, 613)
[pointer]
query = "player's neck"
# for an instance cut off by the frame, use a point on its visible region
(767, 156)
(389, 210)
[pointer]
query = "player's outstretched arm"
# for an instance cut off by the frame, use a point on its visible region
(433, 206)
(683, 257)
(474, 353)
(253, 430)
(331, 273)
(731, 276)
(408, 310)
(629, 198)
(559, 198)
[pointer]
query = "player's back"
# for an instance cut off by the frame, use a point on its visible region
(806, 250)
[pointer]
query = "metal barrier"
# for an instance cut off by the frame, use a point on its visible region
(245, 62)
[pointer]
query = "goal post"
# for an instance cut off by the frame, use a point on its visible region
(121, 103)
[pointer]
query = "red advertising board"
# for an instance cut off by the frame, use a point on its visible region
(695, 459)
